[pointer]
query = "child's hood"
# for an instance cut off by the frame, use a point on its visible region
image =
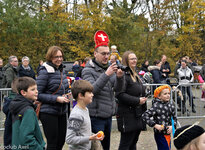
(18, 103)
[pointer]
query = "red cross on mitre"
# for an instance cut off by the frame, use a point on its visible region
(101, 39)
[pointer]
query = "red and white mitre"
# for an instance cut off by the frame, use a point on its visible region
(101, 39)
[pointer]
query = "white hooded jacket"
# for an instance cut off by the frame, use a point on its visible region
(185, 75)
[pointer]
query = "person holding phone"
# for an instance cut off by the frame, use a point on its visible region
(131, 104)
(52, 89)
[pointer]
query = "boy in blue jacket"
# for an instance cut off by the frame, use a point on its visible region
(26, 133)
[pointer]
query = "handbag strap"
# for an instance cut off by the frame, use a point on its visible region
(40, 103)
(60, 84)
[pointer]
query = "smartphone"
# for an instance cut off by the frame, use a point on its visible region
(69, 95)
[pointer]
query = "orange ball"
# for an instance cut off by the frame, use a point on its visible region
(100, 134)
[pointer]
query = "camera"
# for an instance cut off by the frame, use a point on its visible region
(123, 68)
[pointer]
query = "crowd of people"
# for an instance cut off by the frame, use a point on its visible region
(108, 85)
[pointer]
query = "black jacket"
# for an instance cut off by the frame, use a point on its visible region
(48, 81)
(160, 113)
(144, 68)
(129, 110)
(156, 74)
(165, 66)
(26, 72)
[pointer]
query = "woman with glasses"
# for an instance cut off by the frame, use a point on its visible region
(10, 72)
(52, 89)
(25, 68)
(131, 104)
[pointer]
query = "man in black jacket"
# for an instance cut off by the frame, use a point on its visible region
(165, 69)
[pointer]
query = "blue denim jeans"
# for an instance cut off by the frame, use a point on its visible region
(102, 124)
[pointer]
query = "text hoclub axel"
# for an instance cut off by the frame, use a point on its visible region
(14, 147)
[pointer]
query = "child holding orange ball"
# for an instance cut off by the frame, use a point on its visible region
(79, 133)
(100, 134)
(159, 117)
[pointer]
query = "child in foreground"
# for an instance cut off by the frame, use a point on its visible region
(79, 133)
(159, 117)
(26, 133)
(190, 137)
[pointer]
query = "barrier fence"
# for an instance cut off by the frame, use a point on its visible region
(189, 103)
(187, 100)
(186, 97)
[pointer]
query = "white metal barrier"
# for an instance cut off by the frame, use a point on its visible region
(194, 88)
(190, 98)
(189, 103)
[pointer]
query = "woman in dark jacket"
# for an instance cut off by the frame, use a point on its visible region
(131, 106)
(25, 69)
(145, 66)
(52, 88)
(156, 73)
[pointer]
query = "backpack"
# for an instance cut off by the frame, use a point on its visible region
(8, 123)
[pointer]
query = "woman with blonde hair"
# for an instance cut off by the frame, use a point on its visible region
(131, 104)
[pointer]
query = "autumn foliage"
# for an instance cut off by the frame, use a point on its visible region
(149, 28)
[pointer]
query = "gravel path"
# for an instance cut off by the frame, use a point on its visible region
(146, 139)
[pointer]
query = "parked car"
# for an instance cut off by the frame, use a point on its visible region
(68, 68)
